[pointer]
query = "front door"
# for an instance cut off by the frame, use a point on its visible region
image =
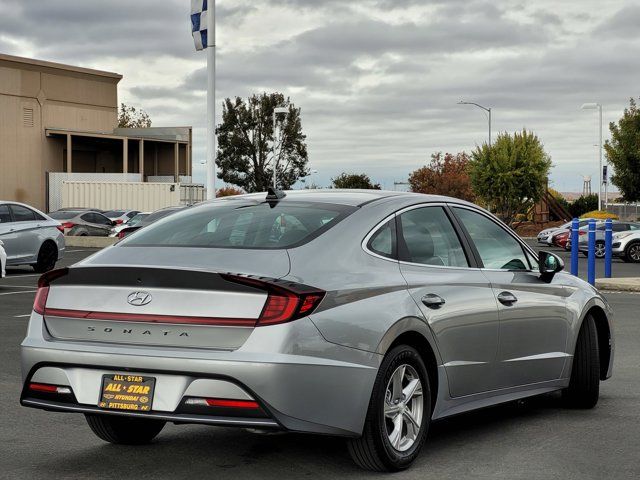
(455, 299)
(533, 313)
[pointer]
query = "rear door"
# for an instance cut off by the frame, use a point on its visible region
(25, 225)
(8, 233)
(533, 313)
(455, 298)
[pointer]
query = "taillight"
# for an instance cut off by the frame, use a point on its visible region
(60, 228)
(118, 221)
(222, 402)
(121, 234)
(285, 301)
(67, 225)
(47, 388)
(582, 232)
(40, 302)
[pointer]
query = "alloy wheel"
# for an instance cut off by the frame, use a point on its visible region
(403, 408)
(634, 253)
(599, 250)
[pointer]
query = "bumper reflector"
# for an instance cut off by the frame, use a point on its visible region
(46, 388)
(222, 402)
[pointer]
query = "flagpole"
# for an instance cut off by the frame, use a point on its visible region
(211, 99)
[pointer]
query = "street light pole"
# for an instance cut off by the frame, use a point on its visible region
(594, 106)
(276, 111)
(486, 109)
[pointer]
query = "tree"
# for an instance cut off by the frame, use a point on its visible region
(354, 181)
(228, 192)
(445, 175)
(583, 204)
(245, 143)
(129, 117)
(512, 174)
(623, 152)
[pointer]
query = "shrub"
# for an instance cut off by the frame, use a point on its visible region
(600, 215)
(586, 203)
(228, 192)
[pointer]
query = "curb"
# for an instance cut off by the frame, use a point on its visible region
(631, 284)
(90, 242)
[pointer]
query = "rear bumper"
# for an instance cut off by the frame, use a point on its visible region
(301, 381)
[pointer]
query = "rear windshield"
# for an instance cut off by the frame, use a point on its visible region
(234, 224)
(113, 213)
(63, 215)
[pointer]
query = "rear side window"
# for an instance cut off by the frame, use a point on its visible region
(427, 237)
(383, 242)
(5, 215)
(232, 224)
(22, 214)
(65, 215)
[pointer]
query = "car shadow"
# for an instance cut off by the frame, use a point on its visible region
(206, 452)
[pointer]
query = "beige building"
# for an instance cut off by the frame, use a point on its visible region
(61, 118)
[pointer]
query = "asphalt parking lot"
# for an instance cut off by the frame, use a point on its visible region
(532, 440)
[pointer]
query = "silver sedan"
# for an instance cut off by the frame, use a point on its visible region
(30, 237)
(361, 314)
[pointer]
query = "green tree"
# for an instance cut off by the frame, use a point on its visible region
(583, 204)
(129, 117)
(245, 143)
(512, 174)
(623, 152)
(354, 180)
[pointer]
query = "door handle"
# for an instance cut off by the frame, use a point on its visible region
(431, 300)
(507, 298)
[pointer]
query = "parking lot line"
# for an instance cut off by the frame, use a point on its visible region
(22, 276)
(18, 293)
(19, 286)
(22, 316)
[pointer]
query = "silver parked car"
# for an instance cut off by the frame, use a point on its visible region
(626, 245)
(30, 237)
(599, 251)
(120, 216)
(84, 223)
(3, 260)
(362, 314)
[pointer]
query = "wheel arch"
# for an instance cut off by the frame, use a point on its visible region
(604, 338)
(414, 332)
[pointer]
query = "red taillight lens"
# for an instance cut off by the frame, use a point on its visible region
(60, 228)
(118, 221)
(47, 388)
(219, 402)
(582, 232)
(284, 302)
(121, 234)
(67, 225)
(40, 302)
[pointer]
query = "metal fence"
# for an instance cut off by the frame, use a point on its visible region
(55, 179)
(625, 211)
(192, 193)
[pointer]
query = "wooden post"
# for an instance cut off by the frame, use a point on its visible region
(125, 155)
(69, 150)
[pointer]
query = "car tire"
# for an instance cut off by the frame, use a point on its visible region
(584, 386)
(632, 253)
(599, 244)
(124, 430)
(47, 258)
(374, 450)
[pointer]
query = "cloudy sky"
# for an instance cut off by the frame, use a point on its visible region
(377, 80)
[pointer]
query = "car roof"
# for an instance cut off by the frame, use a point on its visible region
(356, 198)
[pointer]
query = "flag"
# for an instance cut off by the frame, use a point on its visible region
(199, 23)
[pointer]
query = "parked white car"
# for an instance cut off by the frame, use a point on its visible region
(545, 235)
(626, 245)
(30, 237)
(3, 260)
(130, 223)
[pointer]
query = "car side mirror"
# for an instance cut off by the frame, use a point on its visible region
(549, 264)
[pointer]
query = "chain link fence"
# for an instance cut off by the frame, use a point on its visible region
(625, 211)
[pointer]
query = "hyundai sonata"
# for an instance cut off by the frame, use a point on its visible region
(361, 314)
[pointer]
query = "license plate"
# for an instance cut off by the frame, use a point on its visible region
(127, 392)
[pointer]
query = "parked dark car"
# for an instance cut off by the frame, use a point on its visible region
(154, 217)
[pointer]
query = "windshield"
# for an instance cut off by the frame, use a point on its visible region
(63, 215)
(242, 225)
(137, 219)
(113, 213)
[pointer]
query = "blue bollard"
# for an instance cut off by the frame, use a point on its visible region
(608, 239)
(591, 260)
(575, 225)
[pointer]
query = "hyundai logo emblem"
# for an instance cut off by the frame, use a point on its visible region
(139, 299)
